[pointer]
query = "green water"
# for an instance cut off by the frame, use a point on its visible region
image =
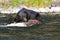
(49, 29)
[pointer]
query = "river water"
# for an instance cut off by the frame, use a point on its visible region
(26, 38)
(48, 30)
